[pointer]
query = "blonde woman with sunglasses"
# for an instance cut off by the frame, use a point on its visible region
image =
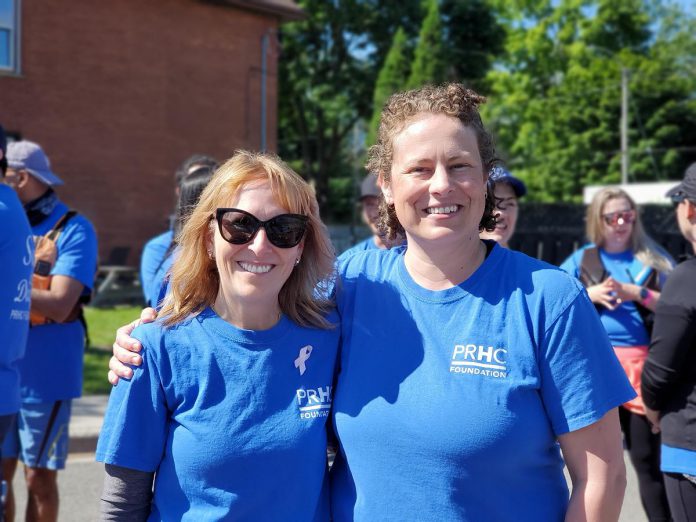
(226, 417)
(623, 270)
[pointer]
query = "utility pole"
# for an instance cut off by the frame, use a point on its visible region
(624, 126)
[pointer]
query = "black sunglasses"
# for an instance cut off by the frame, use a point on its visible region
(239, 227)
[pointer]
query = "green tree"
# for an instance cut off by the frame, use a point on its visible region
(473, 37)
(327, 71)
(556, 99)
(430, 57)
(392, 78)
(327, 75)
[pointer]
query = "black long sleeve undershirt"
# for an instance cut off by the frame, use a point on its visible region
(127, 494)
(672, 357)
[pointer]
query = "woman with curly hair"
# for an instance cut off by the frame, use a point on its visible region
(465, 368)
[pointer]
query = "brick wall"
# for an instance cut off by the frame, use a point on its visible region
(119, 92)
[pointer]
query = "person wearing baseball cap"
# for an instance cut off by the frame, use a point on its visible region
(686, 189)
(370, 198)
(669, 373)
(507, 189)
(51, 371)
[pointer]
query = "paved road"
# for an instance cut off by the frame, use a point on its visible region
(80, 487)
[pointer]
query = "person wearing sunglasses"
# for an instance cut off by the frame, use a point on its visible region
(507, 190)
(230, 404)
(669, 375)
(466, 369)
(623, 270)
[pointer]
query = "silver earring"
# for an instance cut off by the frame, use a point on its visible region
(297, 261)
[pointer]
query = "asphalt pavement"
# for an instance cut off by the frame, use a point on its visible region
(80, 483)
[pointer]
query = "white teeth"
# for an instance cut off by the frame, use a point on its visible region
(441, 210)
(256, 269)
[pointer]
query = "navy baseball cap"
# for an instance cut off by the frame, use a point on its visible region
(687, 188)
(369, 187)
(29, 156)
(500, 175)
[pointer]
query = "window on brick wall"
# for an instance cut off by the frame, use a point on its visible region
(9, 36)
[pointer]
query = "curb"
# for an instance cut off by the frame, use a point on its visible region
(85, 422)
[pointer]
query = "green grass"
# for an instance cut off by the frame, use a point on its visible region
(102, 323)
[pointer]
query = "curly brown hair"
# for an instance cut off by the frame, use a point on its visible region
(451, 99)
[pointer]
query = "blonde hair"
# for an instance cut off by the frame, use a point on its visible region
(195, 282)
(644, 248)
(450, 99)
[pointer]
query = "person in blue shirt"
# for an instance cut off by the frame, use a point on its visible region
(190, 190)
(669, 374)
(228, 411)
(467, 371)
(370, 196)
(16, 260)
(156, 258)
(507, 190)
(51, 370)
(624, 270)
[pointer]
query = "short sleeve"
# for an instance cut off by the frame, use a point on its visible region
(570, 265)
(151, 262)
(581, 378)
(77, 252)
(135, 426)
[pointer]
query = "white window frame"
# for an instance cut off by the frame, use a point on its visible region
(14, 43)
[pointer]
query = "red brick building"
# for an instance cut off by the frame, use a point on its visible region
(119, 92)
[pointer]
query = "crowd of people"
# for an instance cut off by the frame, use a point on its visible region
(452, 377)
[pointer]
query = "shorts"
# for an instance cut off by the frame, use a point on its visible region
(632, 359)
(39, 436)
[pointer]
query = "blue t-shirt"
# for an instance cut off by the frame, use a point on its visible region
(677, 460)
(52, 366)
(17, 261)
(365, 244)
(233, 428)
(449, 403)
(154, 266)
(624, 325)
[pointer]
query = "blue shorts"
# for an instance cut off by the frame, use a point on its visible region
(39, 435)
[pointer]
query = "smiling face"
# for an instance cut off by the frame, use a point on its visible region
(617, 236)
(506, 211)
(256, 270)
(437, 183)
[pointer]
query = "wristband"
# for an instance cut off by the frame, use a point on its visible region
(646, 297)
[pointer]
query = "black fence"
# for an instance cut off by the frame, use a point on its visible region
(552, 232)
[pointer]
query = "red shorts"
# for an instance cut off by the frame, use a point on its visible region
(632, 359)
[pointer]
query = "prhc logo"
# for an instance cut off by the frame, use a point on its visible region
(475, 359)
(314, 402)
